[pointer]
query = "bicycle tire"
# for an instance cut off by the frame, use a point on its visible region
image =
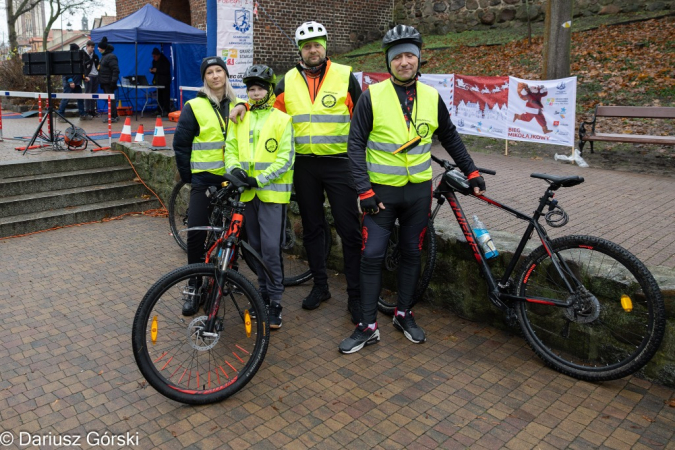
(219, 367)
(596, 339)
(179, 201)
(391, 262)
(296, 267)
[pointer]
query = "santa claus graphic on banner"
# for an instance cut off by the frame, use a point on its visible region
(533, 95)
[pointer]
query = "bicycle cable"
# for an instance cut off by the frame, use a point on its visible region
(557, 217)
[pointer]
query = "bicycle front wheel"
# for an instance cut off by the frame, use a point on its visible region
(392, 260)
(616, 319)
(178, 213)
(182, 360)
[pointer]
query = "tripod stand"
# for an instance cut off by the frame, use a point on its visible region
(49, 116)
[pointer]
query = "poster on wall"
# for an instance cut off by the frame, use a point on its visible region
(443, 84)
(542, 111)
(480, 105)
(235, 39)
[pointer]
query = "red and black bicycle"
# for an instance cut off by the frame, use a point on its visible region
(586, 306)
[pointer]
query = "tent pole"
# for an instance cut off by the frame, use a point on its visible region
(136, 84)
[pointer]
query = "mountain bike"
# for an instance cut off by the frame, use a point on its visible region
(587, 307)
(296, 268)
(207, 357)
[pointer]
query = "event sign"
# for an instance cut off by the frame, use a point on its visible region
(542, 111)
(235, 39)
(480, 105)
(443, 84)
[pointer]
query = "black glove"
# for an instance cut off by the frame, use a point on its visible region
(370, 205)
(240, 173)
(252, 182)
(478, 182)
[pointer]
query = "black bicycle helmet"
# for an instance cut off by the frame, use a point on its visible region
(259, 72)
(401, 34)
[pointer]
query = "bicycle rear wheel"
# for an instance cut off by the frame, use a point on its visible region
(392, 260)
(616, 321)
(296, 267)
(179, 201)
(178, 360)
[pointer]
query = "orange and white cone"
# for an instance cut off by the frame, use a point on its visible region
(126, 131)
(139, 134)
(158, 140)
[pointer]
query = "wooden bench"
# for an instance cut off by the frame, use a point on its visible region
(632, 112)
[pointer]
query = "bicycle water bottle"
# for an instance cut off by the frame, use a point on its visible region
(484, 239)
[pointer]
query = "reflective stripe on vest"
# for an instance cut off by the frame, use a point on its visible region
(390, 132)
(322, 127)
(207, 147)
(255, 160)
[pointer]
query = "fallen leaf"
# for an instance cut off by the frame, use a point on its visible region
(648, 419)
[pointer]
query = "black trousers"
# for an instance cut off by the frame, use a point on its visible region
(109, 88)
(198, 216)
(411, 205)
(164, 100)
(312, 177)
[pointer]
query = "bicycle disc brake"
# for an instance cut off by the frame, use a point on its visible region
(585, 307)
(198, 338)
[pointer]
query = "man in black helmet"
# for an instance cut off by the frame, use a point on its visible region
(389, 151)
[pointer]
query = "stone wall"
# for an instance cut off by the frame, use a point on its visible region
(447, 16)
(350, 23)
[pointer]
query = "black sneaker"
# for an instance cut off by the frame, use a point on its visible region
(274, 314)
(191, 297)
(319, 294)
(410, 329)
(354, 308)
(361, 337)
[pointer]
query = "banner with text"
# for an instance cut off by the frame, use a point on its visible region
(235, 39)
(504, 107)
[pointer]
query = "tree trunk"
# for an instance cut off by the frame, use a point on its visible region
(557, 39)
(11, 29)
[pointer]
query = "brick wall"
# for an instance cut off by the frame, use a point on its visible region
(350, 23)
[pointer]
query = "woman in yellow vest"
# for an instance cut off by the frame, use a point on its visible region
(394, 184)
(199, 144)
(260, 151)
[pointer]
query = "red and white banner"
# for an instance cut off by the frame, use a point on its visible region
(503, 107)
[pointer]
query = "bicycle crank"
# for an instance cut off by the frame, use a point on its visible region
(199, 339)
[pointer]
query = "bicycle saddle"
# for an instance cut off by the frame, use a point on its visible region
(568, 181)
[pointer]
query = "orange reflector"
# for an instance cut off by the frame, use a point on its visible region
(153, 330)
(626, 303)
(247, 323)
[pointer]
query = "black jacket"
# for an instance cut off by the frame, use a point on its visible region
(186, 130)
(90, 62)
(163, 75)
(108, 69)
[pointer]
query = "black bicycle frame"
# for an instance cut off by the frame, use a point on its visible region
(497, 291)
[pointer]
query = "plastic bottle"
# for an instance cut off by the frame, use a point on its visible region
(484, 239)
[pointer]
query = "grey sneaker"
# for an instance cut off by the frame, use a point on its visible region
(407, 325)
(361, 337)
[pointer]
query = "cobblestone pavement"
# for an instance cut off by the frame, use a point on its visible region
(67, 301)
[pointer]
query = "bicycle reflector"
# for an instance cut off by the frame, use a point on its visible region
(247, 323)
(153, 330)
(626, 303)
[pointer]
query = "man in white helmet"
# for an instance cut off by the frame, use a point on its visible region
(320, 95)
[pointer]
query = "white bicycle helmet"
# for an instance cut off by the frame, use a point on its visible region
(309, 30)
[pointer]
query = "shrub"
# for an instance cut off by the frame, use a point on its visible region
(13, 79)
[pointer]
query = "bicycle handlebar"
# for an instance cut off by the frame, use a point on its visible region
(447, 165)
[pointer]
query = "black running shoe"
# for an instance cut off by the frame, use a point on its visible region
(410, 329)
(361, 337)
(191, 297)
(319, 294)
(354, 308)
(274, 315)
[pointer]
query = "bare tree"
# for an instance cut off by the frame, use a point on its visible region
(557, 39)
(15, 9)
(59, 7)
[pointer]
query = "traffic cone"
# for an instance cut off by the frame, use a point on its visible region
(139, 134)
(126, 131)
(158, 140)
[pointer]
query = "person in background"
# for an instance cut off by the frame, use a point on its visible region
(199, 146)
(260, 151)
(108, 74)
(390, 159)
(90, 79)
(72, 84)
(161, 69)
(320, 95)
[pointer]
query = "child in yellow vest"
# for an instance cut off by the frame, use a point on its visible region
(260, 150)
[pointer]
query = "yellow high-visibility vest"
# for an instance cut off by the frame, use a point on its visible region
(322, 127)
(208, 147)
(390, 132)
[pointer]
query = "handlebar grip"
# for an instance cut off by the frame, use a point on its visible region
(487, 171)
